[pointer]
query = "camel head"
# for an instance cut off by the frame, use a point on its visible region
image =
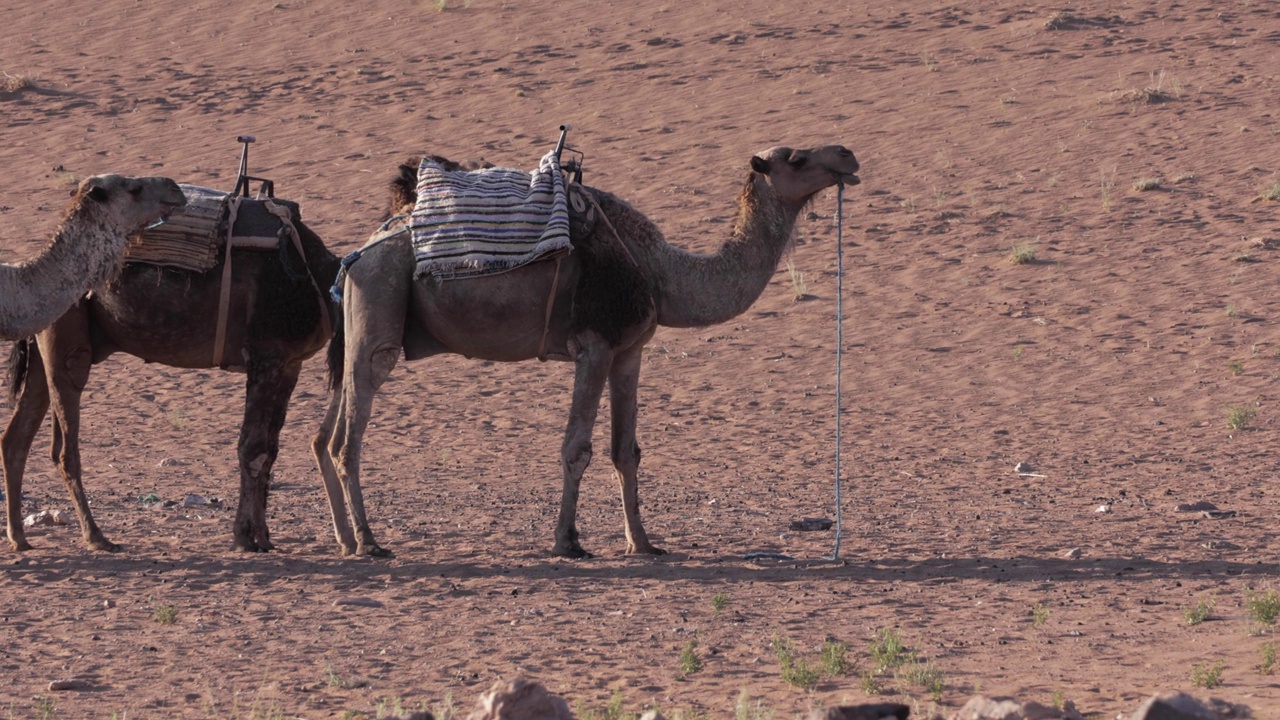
(796, 175)
(129, 203)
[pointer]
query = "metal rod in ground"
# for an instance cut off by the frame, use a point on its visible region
(835, 553)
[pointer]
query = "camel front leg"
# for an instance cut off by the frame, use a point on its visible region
(268, 388)
(624, 382)
(591, 366)
(67, 358)
(29, 410)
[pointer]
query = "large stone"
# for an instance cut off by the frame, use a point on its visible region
(981, 707)
(520, 699)
(875, 711)
(1181, 706)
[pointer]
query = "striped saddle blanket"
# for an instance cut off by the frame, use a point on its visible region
(485, 222)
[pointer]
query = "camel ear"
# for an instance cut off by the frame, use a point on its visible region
(759, 164)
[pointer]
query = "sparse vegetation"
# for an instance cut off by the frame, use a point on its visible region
(1198, 613)
(1206, 675)
(1271, 194)
(1236, 367)
(868, 682)
(446, 710)
(1146, 184)
(887, 650)
(166, 614)
(1061, 20)
(1160, 89)
(613, 711)
(796, 671)
(719, 602)
(1022, 254)
(1263, 607)
(1108, 185)
(15, 83)
(743, 709)
(924, 676)
(1039, 615)
(1268, 664)
(690, 663)
(799, 286)
(1239, 416)
(46, 708)
(835, 660)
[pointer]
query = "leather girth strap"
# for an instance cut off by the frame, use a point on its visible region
(224, 297)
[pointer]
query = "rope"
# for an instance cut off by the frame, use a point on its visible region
(835, 553)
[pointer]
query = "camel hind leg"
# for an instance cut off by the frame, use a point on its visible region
(624, 381)
(268, 388)
(30, 406)
(332, 487)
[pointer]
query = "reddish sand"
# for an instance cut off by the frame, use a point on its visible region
(1107, 364)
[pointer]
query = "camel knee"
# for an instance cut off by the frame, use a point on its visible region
(576, 457)
(626, 455)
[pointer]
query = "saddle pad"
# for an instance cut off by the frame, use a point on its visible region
(190, 238)
(193, 236)
(484, 222)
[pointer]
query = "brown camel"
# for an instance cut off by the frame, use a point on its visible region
(168, 316)
(86, 250)
(620, 282)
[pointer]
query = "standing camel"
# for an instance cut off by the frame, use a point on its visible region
(168, 316)
(86, 250)
(610, 294)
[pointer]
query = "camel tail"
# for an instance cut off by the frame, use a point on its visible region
(336, 358)
(16, 376)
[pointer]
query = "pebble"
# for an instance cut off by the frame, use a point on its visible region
(45, 517)
(72, 684)
(1022, 467)
(1103, 509)
(1073, 553)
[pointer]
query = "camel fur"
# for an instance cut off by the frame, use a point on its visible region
(607, 298)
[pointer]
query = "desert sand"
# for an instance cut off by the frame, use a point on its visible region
(1125, 149)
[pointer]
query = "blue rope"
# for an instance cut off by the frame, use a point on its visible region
(335, 292)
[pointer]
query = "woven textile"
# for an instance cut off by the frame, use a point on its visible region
(484, 222)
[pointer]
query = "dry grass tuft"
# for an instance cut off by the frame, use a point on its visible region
(16, 83)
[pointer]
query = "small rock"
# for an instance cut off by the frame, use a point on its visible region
(169, 462)
(1199, 506)
(1218, 514)
(980, 707)
(72, 684)
(108, 603)
(44, 517)
(811, 524)
(873, 711)
(194, 500)
(1073, 554)
(1103, 509)
(1180, 706)
(653, 715)
(358, 601)
(520, 699)
(1022, 467)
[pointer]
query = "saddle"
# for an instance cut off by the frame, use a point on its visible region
(212, 224)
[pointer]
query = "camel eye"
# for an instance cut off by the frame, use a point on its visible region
(798, 162)
(136, 191)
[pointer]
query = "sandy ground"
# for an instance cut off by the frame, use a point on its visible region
(1107, 363)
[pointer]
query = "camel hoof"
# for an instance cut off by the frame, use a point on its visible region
(20, 545)
(646, 550)
(248, 547)
(376, 551)
(573, 552)
(104, 545)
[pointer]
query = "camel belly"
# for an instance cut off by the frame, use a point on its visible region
(497, 317)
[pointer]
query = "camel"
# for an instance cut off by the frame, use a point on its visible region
(86, 250)
(606, 300)
(168, 316)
